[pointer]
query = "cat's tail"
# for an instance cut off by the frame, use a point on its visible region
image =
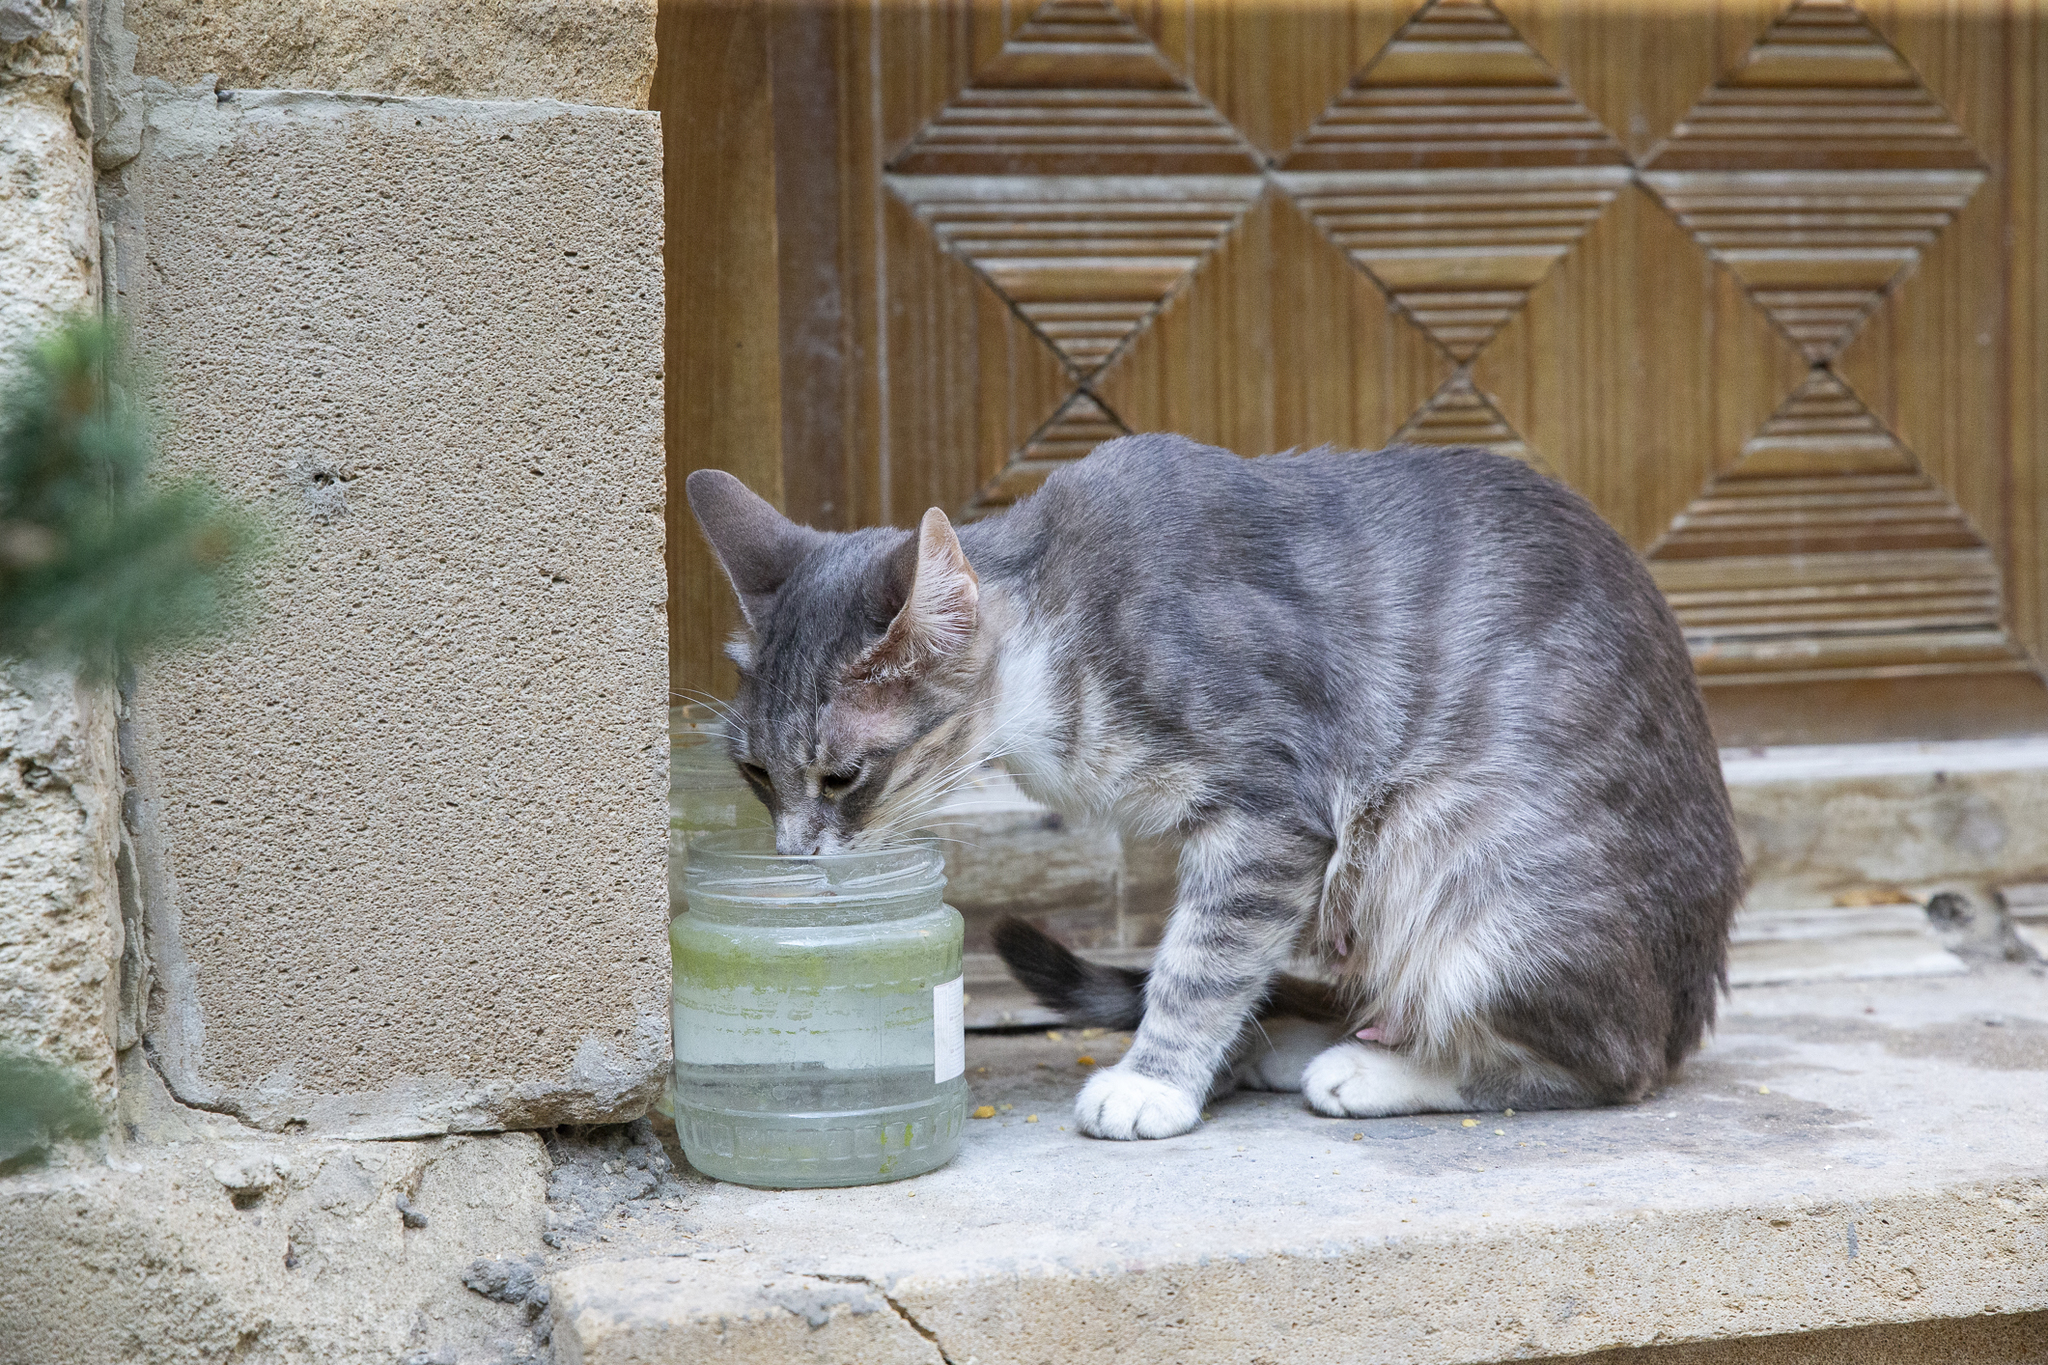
(1086, 993)
(1094, 995)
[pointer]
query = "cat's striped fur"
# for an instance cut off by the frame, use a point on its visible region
(1420, 712)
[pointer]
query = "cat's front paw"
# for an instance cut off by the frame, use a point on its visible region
(1361, 1081)
(1124, 1105)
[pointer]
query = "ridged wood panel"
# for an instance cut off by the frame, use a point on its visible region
(1956, 362)
(1825, 549)
(1270, 69)
(1279, 344)
(1459, 415)
(966, 383)
(1637, 369)
(722, 337)
(1817, 171)
(1762, 280)
(1640, 67)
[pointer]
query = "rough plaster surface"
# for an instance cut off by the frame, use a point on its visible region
(1843, 1156)
(403, 843)
(264, 1252)
(60, 928)
(579, 51)
(49, 236)
(60, 919)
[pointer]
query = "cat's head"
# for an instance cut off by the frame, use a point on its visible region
(858, 666)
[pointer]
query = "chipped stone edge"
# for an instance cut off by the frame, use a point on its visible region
(1602, 1284)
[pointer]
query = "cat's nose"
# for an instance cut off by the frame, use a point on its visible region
(793, 840)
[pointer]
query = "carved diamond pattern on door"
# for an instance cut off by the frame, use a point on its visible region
(1081, 424)
(1085, 181)
(1817, 172)
(1275, 225)
(1826, 552)
(1086, 261)
(1081, 176)
(1457, 169)
(1459, 415)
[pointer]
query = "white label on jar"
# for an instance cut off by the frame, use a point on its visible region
(949, 1031)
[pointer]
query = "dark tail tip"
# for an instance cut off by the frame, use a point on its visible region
(1083, 992)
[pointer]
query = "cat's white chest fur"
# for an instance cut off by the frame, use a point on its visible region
(1058, 739)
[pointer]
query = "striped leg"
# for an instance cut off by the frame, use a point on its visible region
(1246, 887)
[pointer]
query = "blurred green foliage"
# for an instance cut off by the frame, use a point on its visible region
(40, 1103)
(101, 563)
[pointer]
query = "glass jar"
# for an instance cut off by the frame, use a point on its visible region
(817, 1012)
(705, 790)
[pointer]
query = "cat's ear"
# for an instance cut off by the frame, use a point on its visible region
(756, 544)
(937, 617)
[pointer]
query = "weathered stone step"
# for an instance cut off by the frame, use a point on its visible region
(1843, 1155)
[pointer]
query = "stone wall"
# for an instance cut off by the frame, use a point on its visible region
(400, 845)
(60, 930)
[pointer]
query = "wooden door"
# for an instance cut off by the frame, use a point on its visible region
(1765, 283)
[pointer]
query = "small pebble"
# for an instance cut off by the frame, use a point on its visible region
(1053, 1034)
(1763, 1090)
(1358, 1137)
(1500, 1132)
(1031, 1118)
(1469, 1123)
(1084, 1060)
(987, 1111)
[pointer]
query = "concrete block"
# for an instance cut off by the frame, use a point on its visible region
(1844, 1157)
(270, 1251)
(1850, 822)
(578, 51)
(403, 842)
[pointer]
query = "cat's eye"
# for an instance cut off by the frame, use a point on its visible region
(833, 785)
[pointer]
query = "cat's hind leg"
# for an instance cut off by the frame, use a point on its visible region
(1365, 1080)
(1276, 1052)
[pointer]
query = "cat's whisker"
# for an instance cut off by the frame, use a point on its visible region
(722, 709)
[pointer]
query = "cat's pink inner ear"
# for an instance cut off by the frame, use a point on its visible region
(937, 619)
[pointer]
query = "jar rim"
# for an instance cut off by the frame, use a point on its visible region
(741, 865)
(756, 848)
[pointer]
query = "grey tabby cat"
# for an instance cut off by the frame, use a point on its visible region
(1420, 713)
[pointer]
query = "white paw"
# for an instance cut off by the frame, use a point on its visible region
(1122, 1104)
(1360, 1081)
(1282, 1050)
